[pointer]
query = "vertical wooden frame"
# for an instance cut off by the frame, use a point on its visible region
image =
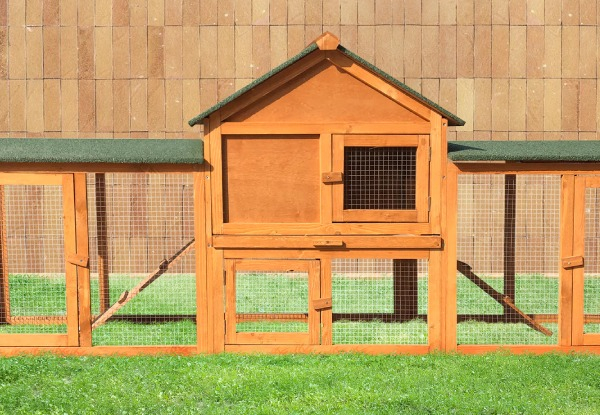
(200, 265)
(437, 167)
(326, 292)
(450, 235)
(325, 146)
(435, 321)
(578, 240)
(68, 189)
(565, 313)
(103, 249)
(83, 270)
(314, 291)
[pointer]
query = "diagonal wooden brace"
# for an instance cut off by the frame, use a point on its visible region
(127, 296)
(465, 269)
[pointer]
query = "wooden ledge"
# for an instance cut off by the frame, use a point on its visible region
(333, 242)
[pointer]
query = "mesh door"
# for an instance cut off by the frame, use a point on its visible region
(142, 250)
(382, 178)
(271, 301)
(591, 287)
(508, 251)
(33, 268)
(379, 301)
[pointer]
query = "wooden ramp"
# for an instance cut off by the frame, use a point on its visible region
(127, 296)
(504, 300)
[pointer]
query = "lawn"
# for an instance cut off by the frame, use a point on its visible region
(307, 384)
(174, 294)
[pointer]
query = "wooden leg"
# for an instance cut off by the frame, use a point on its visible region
(4, 287)
(405, 289)
(510, 213)
(102, 232)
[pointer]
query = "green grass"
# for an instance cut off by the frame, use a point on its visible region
(339, 384)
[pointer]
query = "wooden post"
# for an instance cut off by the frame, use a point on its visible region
(510, 215)
(83, 270)
(102, 232)
(405, 289)
(4, 287)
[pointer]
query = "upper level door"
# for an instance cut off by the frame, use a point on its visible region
(38, 286)
(586, 262)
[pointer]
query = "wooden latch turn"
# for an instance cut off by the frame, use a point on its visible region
(572, 262)
(322, 304)
(329, 243)
(79, 260)
(332, 177)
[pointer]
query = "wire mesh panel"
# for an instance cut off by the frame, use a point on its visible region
(591, 282)
(32, 270)
(379, 301)
(142, 263)
(508, 255)
(381, 178)
(271, 301)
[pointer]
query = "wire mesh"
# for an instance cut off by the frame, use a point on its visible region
(591, 282)
(382, 178)
(271, 301)
(508, 253)
(33, 270)
(139, 226)
(379, 301)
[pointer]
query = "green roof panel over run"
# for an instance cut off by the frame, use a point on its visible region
(452, 119)
(524, 151)
(119, 151)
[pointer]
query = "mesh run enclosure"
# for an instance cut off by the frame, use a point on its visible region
(271, 301)
(143, 283)
(33, 268)
(508, 256)
(379, 301)
(380, 178)
(591, 281)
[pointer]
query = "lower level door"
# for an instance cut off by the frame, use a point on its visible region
(271, 302)
(586, 278)
(38, 287)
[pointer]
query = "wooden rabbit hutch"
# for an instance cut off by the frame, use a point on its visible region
(323, 212)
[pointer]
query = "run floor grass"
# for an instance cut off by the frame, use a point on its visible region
(308, 384)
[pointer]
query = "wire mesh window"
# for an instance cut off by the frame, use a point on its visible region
(271, 301)
(379, 301)
(381, 178)
(508, 251)
(591, 282)
(142, 259)
(33, 291)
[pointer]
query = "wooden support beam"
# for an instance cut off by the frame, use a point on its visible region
(500, 298)
(405, 288)
(4, 286)
(127, 296)
(102, 233)
(510, 219)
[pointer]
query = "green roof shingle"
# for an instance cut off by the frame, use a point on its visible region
(121, 151)
(525, 151)
(453, 120)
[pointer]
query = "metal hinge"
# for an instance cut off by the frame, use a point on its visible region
(429, 153)
(429, 204)
(224, 278)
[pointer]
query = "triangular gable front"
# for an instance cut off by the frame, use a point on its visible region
(330, 70)
(325, 93)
